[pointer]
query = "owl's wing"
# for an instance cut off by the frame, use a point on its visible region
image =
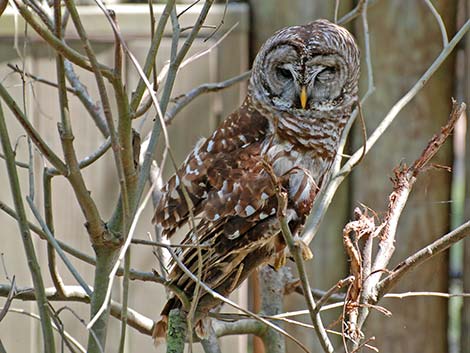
(233, 196)
(238, 220)
(211, 172)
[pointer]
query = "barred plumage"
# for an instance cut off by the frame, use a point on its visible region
(301, 94)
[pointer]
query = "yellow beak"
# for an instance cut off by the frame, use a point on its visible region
(303, 97)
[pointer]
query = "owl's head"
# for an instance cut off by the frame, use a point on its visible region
(300, 69)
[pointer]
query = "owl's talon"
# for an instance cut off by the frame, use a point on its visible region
(280, 260)
(305, 251)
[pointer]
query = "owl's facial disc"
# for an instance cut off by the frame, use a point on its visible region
(282, 73)
(325, 76)
(297, 84)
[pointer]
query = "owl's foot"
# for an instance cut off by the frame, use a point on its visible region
(280, 260)
(304, 250)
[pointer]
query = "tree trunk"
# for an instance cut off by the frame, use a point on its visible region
(405, 40)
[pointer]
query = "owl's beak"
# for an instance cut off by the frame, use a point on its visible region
(303, 97)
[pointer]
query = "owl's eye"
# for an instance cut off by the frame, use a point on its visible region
(284, 73)
(327, 74)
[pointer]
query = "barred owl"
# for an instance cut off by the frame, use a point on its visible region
(302, 90)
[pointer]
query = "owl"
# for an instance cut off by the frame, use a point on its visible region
(303, 87)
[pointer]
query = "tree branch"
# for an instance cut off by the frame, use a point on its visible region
(183, 100)
(32, 133)
(57, 44)
(46, 324)
(436, 247)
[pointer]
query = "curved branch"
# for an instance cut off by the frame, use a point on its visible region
(441, 244)
(58, 45)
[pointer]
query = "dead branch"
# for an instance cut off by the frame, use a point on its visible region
(367, 289)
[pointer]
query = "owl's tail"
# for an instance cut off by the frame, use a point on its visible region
(161, 327)
(159, 331)
(202, 326)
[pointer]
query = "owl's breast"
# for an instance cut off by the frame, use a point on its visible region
(304, 173)
(284, 158)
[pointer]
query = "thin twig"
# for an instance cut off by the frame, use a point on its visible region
(18, 163)
(421, 256)
(61, 329)
(57, 44)
(36, 317)
(333, 290)
(42, 146)
(16, 69)
(335, 17)
(51, 240)
(221, 23)
(163, 245)
(442, 26)
(9, 300)
(46, 325)
(151, 55)
(355, 12)
(183, 100)
(165, 70)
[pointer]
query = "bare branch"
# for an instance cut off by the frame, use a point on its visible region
(333, 290)
(47, 152)
(51, 239)
(183, 100)
(46, 325)
(57, 44)
(441, 244)
(36, 317)
(115, 141)
(403, 184)
(366, 291)
(49, 220)
(439, 20)
(151, 55)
